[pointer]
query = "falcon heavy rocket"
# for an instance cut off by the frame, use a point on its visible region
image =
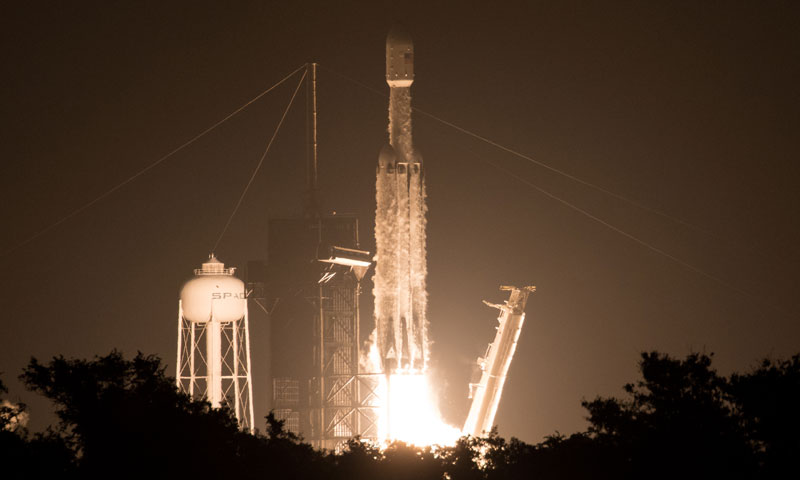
(400, 290)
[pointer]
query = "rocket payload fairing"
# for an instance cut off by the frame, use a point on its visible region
(400, 272)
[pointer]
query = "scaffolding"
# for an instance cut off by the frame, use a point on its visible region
(344, 396)
(193, 371)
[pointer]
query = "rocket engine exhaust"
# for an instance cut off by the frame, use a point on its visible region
(399, 349)
(408, 411)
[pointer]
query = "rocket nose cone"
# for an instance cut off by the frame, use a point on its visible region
(398, 36)
(399, 58)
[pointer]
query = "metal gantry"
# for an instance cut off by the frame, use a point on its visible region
(194, 370)
(343, 397)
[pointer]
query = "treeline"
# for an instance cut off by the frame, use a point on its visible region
(121, 418)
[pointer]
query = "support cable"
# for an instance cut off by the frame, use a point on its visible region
(620, 231)
(586, 213)
(629, 236)
(260, 162)
(534, 161)
(147, 168)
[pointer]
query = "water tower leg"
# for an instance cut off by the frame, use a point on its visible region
(249, 413)
(237, 394)
(192, 371)
(214, 361)
(180, 344)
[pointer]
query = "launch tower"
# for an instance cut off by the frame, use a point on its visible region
(308, 291)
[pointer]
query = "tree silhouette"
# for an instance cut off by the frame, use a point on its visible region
(44, 455)
(10, 414)
(767, 401)
(578, 456)
(282, 452)
(127, 418)
(402, 461)
(676, 422)
(359, 459)
(467, 459)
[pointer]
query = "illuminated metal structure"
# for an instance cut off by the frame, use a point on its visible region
(346, 397)
(310, 289)
(214, 341)
(494, 364)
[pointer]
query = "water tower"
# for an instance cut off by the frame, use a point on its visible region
(214, 340)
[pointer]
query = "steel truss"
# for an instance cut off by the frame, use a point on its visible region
(344, 399)
(192, 371)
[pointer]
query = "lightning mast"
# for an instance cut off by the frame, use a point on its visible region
(311, 204)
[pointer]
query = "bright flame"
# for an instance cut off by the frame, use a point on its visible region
(407, 408)
(410, 414)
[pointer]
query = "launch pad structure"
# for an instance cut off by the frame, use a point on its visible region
(311, 287)
(308, 290)
(495, 363)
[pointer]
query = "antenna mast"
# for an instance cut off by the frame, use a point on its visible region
(311, 208)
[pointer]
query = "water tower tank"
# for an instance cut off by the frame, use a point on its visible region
(213, 291)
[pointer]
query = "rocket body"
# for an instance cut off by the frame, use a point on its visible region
(399, 59)
(400, 291)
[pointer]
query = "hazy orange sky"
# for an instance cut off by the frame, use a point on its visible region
(689, 108)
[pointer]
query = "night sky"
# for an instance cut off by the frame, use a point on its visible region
(688, 108)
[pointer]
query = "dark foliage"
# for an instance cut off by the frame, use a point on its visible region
(676, 422)
(767, 402)
(44, 455)
(358, 460)
(125, 418)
